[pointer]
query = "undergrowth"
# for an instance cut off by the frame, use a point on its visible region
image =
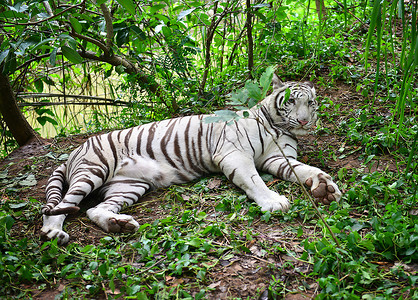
(375, 225)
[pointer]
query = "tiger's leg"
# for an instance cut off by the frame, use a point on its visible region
(320, 183)
(243, 173)
(118, 193)
(54, 220)
(52, 228)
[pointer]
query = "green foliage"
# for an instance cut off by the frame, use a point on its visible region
(245, 98)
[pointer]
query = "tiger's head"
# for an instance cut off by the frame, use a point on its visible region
(292, 106)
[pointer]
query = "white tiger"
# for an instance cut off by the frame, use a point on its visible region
(127, 163)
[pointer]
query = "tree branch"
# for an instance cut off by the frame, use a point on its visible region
(109, 26)
(12, 24)
(55, 95)
(98, 43)
(130, 68)
(208, 41)
(42, 104)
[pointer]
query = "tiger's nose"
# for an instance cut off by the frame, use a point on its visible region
(302, 122)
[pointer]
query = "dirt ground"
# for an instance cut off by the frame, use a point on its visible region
(242, 275)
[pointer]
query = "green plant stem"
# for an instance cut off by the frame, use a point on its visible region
(303, 187)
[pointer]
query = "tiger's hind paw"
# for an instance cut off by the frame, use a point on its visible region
(122, 223)
(323, 188)
(111, 222)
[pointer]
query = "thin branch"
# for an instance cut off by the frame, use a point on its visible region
(98, 43)
(42, 104)
(342, 6)
(208, 42)
(130, 68)
(231, 56)
(12, 24)
(49, 95)
(114, 60)
(258, 118)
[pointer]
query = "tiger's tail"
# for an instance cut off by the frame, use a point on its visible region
(54, 193)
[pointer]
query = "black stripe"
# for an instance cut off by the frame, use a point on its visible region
(128, 138)
(150, 138)
(164, 142)
(139, 140)
(232, 176)
(177, 150)
(113, 148)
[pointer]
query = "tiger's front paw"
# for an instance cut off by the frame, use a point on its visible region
(49, 233)
(323, 188)
(274, 202)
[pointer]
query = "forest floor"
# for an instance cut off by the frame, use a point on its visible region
(239, 275)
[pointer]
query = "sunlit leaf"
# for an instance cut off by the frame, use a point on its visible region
(159, 27)
(3, 55)
(71, 55)
(19, 7)
(76, 25)
(17, 205)
(239, 98)
(265, 80)
(254, 90)
(262, 5)
(286, 95)
(222, 116)
(128, 5)
(63, 156)
(156, 8)
(166, 31)
(53, 57)
(185, 13)
(39, 85)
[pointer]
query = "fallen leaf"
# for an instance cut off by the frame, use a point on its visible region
(29, 181)
(214, 183)
(214, 285)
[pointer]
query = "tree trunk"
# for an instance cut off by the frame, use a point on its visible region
(321, 10)
(11, 114)
(250, 39)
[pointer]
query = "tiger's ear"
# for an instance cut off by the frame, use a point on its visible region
(277, 83)
(310, 84)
